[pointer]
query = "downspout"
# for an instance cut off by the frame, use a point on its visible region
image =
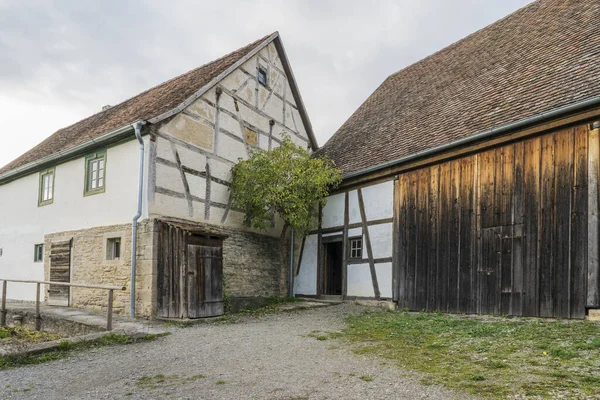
(138, 128)
(291, 291)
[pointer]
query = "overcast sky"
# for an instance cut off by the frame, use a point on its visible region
(61, 61)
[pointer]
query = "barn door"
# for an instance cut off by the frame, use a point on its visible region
(60, 271)
(205, 278)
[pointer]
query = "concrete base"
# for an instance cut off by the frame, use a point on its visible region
(386, 305)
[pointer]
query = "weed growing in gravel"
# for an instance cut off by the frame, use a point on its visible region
(66, 348)
(489, 356)
(22, 335)
(366, 378)
(220, 382)
(161, 380)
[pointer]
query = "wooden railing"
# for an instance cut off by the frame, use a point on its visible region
(38, 318)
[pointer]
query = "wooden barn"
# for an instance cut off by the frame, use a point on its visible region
(471, 177)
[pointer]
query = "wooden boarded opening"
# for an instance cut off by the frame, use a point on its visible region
(504, 231)
(60, 271)
(190, 272)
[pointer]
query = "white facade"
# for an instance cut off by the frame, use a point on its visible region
(378, 209)
(23, 223)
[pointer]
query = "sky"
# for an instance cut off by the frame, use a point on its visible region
(61, 61)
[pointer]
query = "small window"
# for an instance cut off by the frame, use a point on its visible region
(263, 76)
(113, 249)
(356, 248)
(95, 173)
(38, 253)
(46, 190)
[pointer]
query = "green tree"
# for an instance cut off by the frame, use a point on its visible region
(285, 182)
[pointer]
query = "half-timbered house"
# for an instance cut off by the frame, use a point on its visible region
(471, 177)
(163, 158)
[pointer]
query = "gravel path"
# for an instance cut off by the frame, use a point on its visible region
(268, 358)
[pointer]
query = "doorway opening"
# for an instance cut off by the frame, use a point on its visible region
(332, 268)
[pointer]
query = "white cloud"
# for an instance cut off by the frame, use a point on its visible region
(62, 61)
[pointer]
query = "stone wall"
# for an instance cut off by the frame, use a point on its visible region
(251, 265)
(89, 265)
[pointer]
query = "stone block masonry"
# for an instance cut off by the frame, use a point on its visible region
(89, 264)
(251, 265)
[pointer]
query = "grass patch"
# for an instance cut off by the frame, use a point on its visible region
(20, 335)
(220, 382)
(491, 357)
(366, 378)
(65, 348)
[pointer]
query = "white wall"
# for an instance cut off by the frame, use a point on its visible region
(378, 200)
(23, 224)
(213, 131)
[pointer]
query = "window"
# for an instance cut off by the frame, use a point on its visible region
(46, 190)
(113, 249)
(262, 76)
(251, 136)
(356, 248)
(38, 253)
(95, 173)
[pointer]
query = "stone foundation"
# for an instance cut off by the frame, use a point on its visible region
(251, 265)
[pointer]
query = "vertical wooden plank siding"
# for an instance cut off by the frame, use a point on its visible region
(531, 221)
(563, 175)
(433, 236)
(465, 270)
(593, 295)
(510, 230)
(546, 238)
(579, 226)
(454, 236)
(403, 242)
(444, 267)
(411, 246)
(422, 270)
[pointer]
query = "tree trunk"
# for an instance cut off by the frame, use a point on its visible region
(283, 256)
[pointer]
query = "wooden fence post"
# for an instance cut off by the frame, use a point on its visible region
(38, 317)
(3, 311)
(110, 306)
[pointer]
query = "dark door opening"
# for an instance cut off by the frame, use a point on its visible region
(332, 271)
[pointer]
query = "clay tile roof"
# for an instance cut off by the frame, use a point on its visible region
(544, 56)
(146, 105)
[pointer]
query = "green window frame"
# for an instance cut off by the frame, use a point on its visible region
(46, 187)
(38, 253)
(95, 173)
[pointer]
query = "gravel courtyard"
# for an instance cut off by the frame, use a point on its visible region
(267, 358)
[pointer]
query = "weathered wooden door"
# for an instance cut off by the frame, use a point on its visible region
(60, 271)
(205, 278)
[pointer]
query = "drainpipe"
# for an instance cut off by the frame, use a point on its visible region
(291, 291)
(138, 127)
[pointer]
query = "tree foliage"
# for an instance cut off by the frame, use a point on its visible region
(285, 181)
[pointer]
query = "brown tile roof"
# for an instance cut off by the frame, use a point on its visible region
(543, 56)
(144, 106)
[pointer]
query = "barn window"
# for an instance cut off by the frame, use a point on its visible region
(113, 249)
(356, 248)
(95, 173)
(38, 253)
(46, 190)
(263, 76)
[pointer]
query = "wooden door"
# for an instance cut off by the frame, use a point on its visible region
(205, 279)
(60, 271)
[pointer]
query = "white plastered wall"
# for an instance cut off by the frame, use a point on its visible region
(378, 202)
(23, 224)
(202, 143)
